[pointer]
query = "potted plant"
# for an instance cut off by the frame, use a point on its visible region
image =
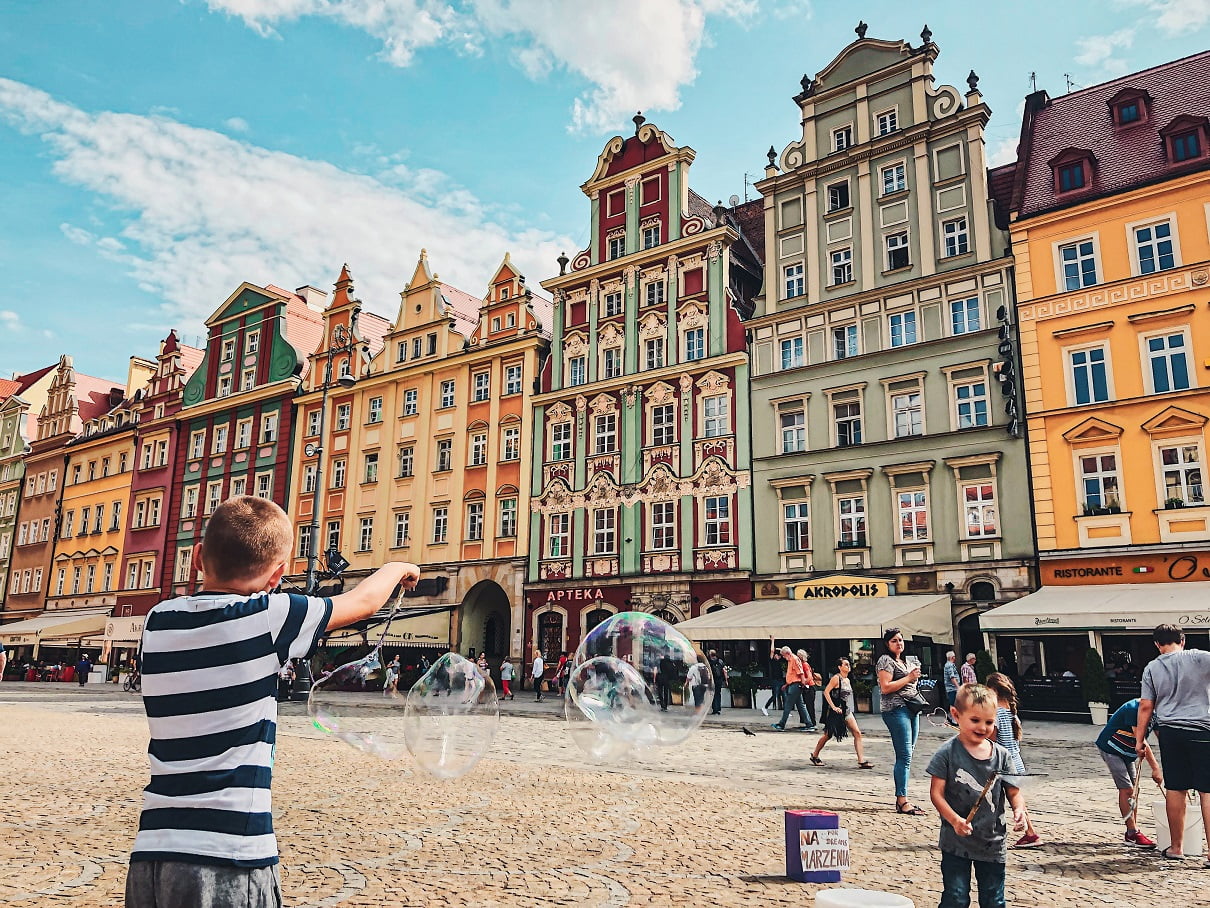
(1095, 686)
(862, 691)
(984, 665)
(741, 686)
(1170, 503)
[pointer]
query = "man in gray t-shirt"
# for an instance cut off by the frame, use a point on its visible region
(1176, 696)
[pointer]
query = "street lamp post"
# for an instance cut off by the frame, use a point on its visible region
(342, 342)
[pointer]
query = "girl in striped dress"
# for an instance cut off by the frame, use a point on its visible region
(1008, 736)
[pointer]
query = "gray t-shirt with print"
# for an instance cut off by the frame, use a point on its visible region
(964, 780)
(1178, 683)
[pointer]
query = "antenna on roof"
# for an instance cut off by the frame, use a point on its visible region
(1033, 81)
(747, 183)
(1070, 84)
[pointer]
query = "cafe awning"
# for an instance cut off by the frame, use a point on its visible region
(54, 626)
(1108, 607)
(421, 627)
(832, 619)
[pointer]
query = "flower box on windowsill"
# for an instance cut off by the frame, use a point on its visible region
(1100, 510)
(858, 543)
(1171, 503)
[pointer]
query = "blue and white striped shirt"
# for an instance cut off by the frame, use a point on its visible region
(210, 666)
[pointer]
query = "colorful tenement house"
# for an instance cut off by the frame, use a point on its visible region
(881, 437)
(237, 414)
(19, 396)
(1109, 228)
(423, 458)
(641, 467)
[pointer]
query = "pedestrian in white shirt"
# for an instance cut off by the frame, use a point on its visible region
(538, 670)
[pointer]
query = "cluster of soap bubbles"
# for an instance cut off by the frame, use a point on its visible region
(635, 682)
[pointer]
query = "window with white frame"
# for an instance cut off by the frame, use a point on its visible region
(219, 442)
(146, 461)
(793, 353)
(695, 344)
(617, 247)
(965, 316)
(970, 404)
(184, 556)
(264, 485)
(402, 529)
(344, 416)
(979, 509)
(474, 521)
(161, 453)
(431, 343)
(441, 524)
(1181, 472)
(338, 474)
(228, 350)
(313, 423)
(792, 421)
(558, 535)
(611, 362)
(1168, 361)
(224, 386)
(239, 484)
(496, 323)
(888, 121)
(911, 507)
(365, 534)
(846, 418)
(375, 410)
(613, 303)
(1154, 248)
(902, 328)
(1079, 264)
(716, 415)
(897, 255)
(510, 318)
(907, 413)
(651, 236)
(370, 472)
(481, 387)
(251, 342)
(850, 519)
(653, 352)
(1100, 481)
(512, 378)
(511, 447)
(844, 341)
(842, 137)
(243, 434)
(793, 277)
(894, 178)
(842, 266)
(508, 517)
(663, 424)
(796, 526)
(445, 455)
(247, 380)
(655, 293)
(577, 370)
(411, 402)
(405, 461)
(333, 536)
(153, 513)
(401, 351)
(96, 527)
(447, 393)
(214, 495)
(838, 196)
(417, 347)
(1089, 374)
(560, 441)
(954, 237)
(189, 503)
(663, 524)
(310, 478)
(717, 520)
(605, 433)
(479, 449)
(65, 533)
(604, 531)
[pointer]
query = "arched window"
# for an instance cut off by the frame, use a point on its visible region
(665, 615)
(982, 591)
(595, 617)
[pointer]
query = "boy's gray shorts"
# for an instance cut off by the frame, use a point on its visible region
(1121, 770)
(176, 884)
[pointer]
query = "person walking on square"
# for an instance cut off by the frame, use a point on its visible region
(809, 683)
(210, 663)
(664, 677)
(777, 679)
(719, 671)
(838, 720)
(949, 677)
(794, 677)
(1176, 694)
(967, 671)
(83, 667)
(897, 683)
(536, 672)
(3, 661)
(506, 678)
(1008, 736)
(1115, 744)
(971, 779)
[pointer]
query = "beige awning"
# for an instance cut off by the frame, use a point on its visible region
(1103, 607)
(54, 625)
(432, 629)
(831, 619)
(126, 629)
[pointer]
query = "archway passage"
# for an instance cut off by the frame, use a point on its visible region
(484, 623)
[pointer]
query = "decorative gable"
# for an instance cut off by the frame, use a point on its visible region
(1175, 421)
(1092, 431)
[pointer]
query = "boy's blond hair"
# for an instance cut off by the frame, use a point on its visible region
(974, 695)
(245, 537)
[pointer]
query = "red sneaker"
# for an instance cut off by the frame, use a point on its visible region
(1136, 839)
(1028, 841)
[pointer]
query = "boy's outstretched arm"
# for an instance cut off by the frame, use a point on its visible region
(368, 596)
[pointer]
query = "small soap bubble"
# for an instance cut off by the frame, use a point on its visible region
(340, 705)
(450, 717)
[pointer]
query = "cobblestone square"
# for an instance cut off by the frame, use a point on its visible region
(533, 824)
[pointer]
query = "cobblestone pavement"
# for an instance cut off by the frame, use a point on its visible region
(534, 824)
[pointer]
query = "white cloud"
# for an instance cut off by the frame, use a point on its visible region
(10, 320)
(202, 212)
(1003, 152)
(1174, 17)
(1098, 50)
(642, 52)
(236, 124)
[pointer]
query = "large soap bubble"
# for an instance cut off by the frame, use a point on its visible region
(635, 682)
(450, 717)
(339, 705)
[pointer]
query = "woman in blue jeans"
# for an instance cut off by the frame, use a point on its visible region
(897, 680)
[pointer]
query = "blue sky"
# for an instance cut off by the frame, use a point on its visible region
(153, 154)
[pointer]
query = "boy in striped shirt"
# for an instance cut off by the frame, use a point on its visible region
(210, 664)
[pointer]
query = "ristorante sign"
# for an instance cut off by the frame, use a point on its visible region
(840, 586)
(1168, 567)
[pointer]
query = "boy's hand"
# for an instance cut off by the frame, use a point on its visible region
(962, 826)
(1157, 777)
(1018, 819)
(411, 575)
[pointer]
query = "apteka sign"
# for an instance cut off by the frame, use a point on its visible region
(824, 849)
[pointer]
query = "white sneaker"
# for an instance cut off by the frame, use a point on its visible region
(765, 710)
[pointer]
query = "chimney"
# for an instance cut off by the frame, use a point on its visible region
(313, 297)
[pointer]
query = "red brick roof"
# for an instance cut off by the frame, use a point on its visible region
(1000, 181)
(304, 326)
(700, 208)
(750, 216)
(373, 329)
(1126, 156)
(462, 308)
(191, 358)
(93, 396)
(8, 387)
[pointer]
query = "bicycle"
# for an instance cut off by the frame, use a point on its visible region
(133, 682)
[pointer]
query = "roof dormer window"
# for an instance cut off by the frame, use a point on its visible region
(1185, 138)
(1072, 170)
(1130, 106)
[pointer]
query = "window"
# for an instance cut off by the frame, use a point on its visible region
(431, 343)
(912, 508)
(844, 341)
(903, 328)
(474, 521)
(219, 442)
(481, 388)
(365, 534)
(1167, 362)
(401, 352)
(512, 443)
(1079, 263)
(417, 350)
(613, 303)
(214, 495)
(617, 247)
(37, 587)
(797, 527)
(847, 417)
(655, 293)
(1153, 243)
(228, 350)
(447, 393)
(695, 344)
(310, 478)
(313, 423)
(838, 196)
(479, 449)
(496, 323)
(96, 527)
(907, 413)
(1186, 146)
(132, 575)
(76, 572)
(842, 138)
(558, 534)
(792, 420)
(1182, 473)
(1128, 112)
(716, 411)
(405, 461)
(189, 505)
(371, 467)
(224, 386)
(888, 121)
(794, 280)
(410, 402)
(955, 237)
(69, 520)
(338, 474)
(441, 524)
(145, 464)
(52, 478)
(1071, 176)
(897, 255)
(239, 485)
(115, 518)
(604, 536)
(508, 517)
(375, 414)
(663, 424)
(894, 178)
(243, 434)
(577, 368)
(333, 536)
(510, 319)
(605, 433)
(965, 316)
(1099, 481)
(161, 453)
(842, 266)
(792, 353)
(184, 557)
(402, 529)
(612, 362)
(90, 578)
(663, 525)
(344, 416)
(512, 379)
(247, 380)
(970, 403)
(851, 513)
(444, 454)
(653, 352)
(651, 236)
(1089, 375)
(560, 441)
(979, 500)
